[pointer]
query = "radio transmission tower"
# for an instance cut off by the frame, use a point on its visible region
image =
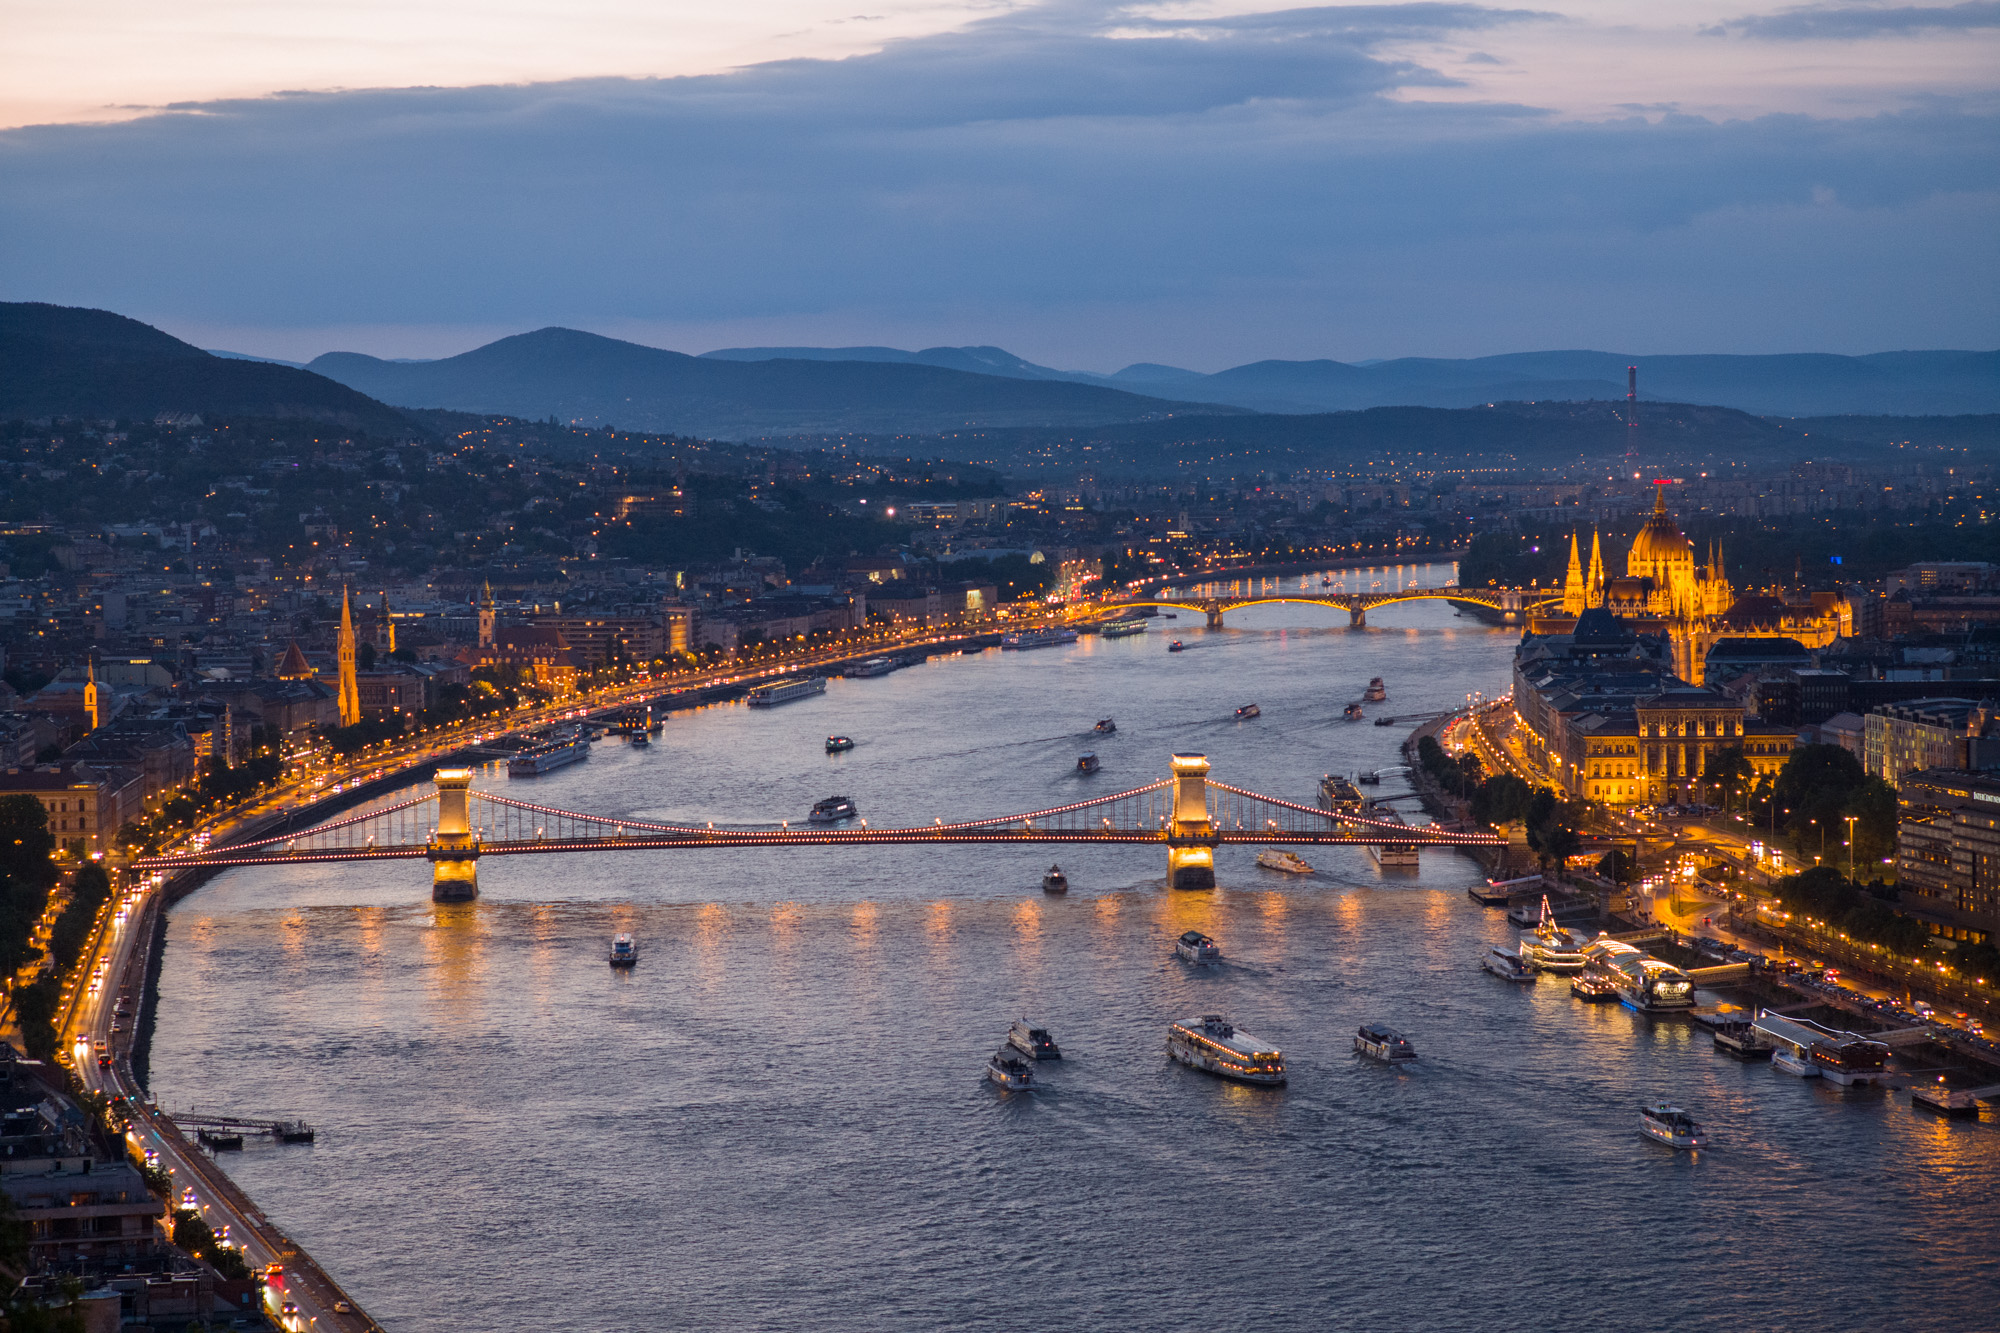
(1632, 420)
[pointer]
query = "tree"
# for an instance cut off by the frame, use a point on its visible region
(1730, 774)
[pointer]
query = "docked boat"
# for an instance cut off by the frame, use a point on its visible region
(1393, 854)
(1670, 1125)
(1552, 948)
(1813, 1050)
(1506, 964)
(1655, 987)
(1792, 1062)
(832, 810)
(1383, 1043)
(1208, 1043)
(1339, 795)
(839, 744)
(1369, 779)
(1376, 692)
(1123, 629)
(1176, 646)
(874, 666)
(219, 1142)
(1105, 727)
(1050, 637)
(1055, 881)
(1248, 711)
(1009, 1070)
(550, 754)
(1289, 862)
(1351, 713)
(624, 951)
(1033, 1042)
(641, 740)
(1744, 1041)
(1086, 763)
(633, 721)
(1196, 947)
(785, 691)
(1593, 989)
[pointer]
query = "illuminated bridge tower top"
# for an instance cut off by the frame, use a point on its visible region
(454, 852)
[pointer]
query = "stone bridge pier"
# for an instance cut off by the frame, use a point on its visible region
(1357, 613)
(1214, 610)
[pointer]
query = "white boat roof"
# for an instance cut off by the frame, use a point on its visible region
(1243, 1043)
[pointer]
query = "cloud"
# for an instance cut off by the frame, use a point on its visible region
(1859, 22)
(1270, 186)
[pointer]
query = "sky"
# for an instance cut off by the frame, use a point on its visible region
(1086, 184)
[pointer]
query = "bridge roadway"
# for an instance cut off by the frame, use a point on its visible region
(1513, 604)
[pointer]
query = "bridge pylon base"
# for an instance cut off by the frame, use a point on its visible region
(454, 881)
(1190, 868)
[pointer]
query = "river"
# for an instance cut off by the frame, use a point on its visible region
(778, 1120)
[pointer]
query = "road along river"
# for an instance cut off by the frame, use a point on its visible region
(778, 1121)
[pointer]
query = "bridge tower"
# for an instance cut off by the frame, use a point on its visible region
(1510, 605)
(1214, 609)
(454, 852)
(1357, 613)
(1190, 832)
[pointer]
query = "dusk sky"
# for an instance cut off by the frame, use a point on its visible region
(1085, 184)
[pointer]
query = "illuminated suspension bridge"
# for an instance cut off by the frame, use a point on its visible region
(453, 827)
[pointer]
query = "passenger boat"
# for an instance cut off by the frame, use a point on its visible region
(633, 721)
(1176, 646)
(1654, 987)
(1338, 794)
(1792, 1062)
(1208, 1043)
(1593, 989)
(1813, 1050)
(624, 951)
(1506, 964)
(784, 691)
(219, 1142)
(1383, 1043)
(1033, 1042)
(1121, 629)
(1168, 615)
(1055, 881)
(640, 739)
(1105, 727)
(1670, 1125)
(1009, 1070)
(874, 666)
(1248, 711)
(1038, 638)
(832, 810)
(1393, 854)
(1385, 721)
(1196, 947)
(1326, 583)
(1376, 692)
(1289, 862)
(839, 744)
(1551, 948)
(1086, 763)
(547, 755)
(1351, 713)
(1369, 779)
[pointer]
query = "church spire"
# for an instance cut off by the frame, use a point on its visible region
(1594, 590)
(350, 685)
(486, 613)
(91, 704)
(1575, 595)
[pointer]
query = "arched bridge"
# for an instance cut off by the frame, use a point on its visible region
(1513, 604)
(454, 826)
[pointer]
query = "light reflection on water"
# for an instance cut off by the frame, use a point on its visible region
(777, 1121)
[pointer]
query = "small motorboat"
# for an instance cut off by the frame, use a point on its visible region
(1009, 1070)
(1383, 1043)
(839, 744)
(1376, 692)
(1055, 881)
(1196, 947)
(1086, 763)
(1385, 721)
(1289, 862)
(1169, 615)
(1670, 1125)
(1033, 1042)
(1351, 713)
(1506, 964)
(624, 951)
(1105, 727)
(1593, 989)
(1248, 711)
(640, 740)
(832, 810)
(1326, 583)
(1176, 646)
(1368, 779)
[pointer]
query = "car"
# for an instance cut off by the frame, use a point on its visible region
(342, 1307)
(104, 1060)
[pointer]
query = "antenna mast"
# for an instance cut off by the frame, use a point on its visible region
(1632, 420)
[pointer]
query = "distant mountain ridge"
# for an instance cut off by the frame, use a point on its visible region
(1801, 384)
(65, 361)
(588, 379)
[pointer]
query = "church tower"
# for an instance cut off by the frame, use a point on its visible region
(1575, 596)
(92, 705)
(385, 632)
(486, 616)
(1594, 585)
(350, 685)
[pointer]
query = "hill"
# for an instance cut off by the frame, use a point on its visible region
(1888, 383)
(66, 361)
(590, 380)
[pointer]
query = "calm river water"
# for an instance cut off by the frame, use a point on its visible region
(778, 1121)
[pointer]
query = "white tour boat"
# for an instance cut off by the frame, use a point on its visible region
(1289, 862)
(1670, 1125)
(1208, 1043)
(832, 810)
(1196, 947)
(784, 691)
(1038, 638)
(1552, 948)
(624, 951)
(1383, 1043)
(1507, 964)
(1033, 1042)
(552, 753)
(1009, 1070)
